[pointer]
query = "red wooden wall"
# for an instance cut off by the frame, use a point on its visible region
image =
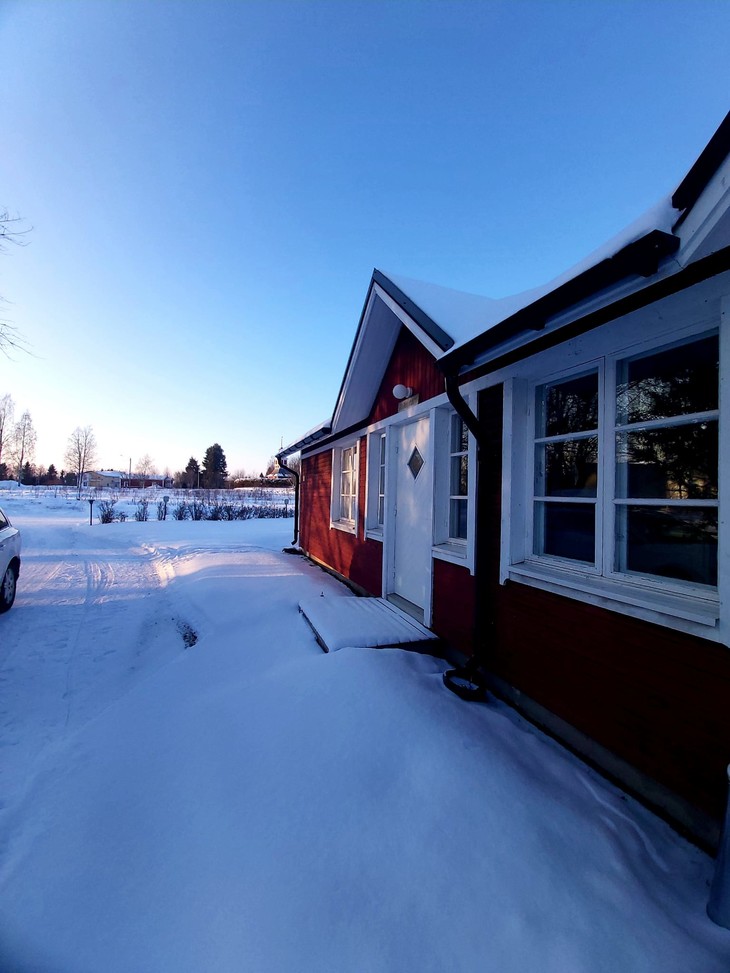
(352, 556)
(657, 698)
(410, 365)
(454, 593)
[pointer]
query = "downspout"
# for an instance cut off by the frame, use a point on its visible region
(296, 496)
(467, 681)
(461, 406)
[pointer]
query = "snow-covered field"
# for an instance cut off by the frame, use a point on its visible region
(248, 803)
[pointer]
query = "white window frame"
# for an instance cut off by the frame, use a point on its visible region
(337, 521)
(459, 550)
(377, 477)
(691, 606)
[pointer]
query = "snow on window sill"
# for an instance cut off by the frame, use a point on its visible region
(348, 526)
(662, 607)
(374, 534)
(452, 551)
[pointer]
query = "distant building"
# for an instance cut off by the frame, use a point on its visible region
(114, 479)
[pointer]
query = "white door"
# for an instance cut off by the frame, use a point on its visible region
(413, 512)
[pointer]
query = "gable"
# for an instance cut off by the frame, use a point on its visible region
(410, 365)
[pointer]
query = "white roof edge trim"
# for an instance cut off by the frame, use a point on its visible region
(405, 319)
(347, 382)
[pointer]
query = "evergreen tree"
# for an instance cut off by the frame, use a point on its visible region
(51, 474)
(191, 475)
(4, 471)
(215, 469)
(27, 474)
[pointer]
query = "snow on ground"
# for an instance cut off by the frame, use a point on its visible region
(244, 802)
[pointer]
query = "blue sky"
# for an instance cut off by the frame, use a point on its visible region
(210, 185)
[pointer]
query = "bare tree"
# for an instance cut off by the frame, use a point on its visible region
(80, 453)
(11, 231)
(146, 466)
(7, 409)
(23, 443)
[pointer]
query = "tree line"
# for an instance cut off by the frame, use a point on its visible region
(17, 459)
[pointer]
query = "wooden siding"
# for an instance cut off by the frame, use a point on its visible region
(410, 365)
(453, 605)
(656, 698)
(352, 556)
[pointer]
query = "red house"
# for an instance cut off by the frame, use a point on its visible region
(544, 481)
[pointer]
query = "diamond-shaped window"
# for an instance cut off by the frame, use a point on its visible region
(415, 462)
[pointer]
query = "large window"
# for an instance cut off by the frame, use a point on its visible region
(625, 467)
(667, 462)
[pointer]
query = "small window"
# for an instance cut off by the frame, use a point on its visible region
(381, 481)
(458, 478)
(347, 484)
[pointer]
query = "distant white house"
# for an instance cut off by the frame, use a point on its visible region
(116, 479)
(103, 478)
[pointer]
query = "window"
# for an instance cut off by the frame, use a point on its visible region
(566, 469)
(380, 516)
(347, 484)
(667, 463)
(375, 510)
(458, 478)
(625, 468)
(344, 488)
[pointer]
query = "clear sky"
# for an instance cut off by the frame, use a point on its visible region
(210, 185)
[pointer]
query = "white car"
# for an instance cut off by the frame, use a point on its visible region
(9, 562)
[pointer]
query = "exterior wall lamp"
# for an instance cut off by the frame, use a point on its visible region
(402, 392)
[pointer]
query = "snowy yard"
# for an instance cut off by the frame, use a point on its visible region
(190, 784)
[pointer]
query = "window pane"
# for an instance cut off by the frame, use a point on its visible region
(671, 542)
(459, 476)
(381, 480)
(567, 469)
(381, 510)
(347, 459)
(675, 382)
(679, 462)
(459, 435)
(568, 407)
(566, 530)
(346, 487)
(382, 450)
(457, 518)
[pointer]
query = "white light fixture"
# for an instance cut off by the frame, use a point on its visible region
(402, 391)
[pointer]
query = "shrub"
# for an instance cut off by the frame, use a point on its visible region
(141, 513)
(105, 512)
(180, 511)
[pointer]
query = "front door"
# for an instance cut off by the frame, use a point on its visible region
(413, 512)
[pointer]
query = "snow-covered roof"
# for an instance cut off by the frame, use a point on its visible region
(317, 432)
(463, 316)
(465, 329)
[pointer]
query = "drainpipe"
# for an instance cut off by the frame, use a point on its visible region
(296, 496)
(466, 681)
(453, 393)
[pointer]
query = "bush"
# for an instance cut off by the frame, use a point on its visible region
(198, 510)
(105, 512)
(180, 511)
(141, 513)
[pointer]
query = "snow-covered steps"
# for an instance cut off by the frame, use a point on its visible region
(339, 621)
